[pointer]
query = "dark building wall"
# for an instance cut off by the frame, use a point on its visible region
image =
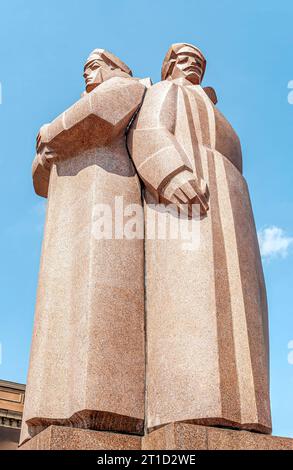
(9, 438)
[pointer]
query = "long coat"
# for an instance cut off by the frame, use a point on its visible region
(87, 357)
(206, 309)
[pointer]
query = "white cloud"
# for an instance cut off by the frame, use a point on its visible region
(274, 242)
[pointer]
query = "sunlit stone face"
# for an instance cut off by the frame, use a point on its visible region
(96, 70)
(189, 64)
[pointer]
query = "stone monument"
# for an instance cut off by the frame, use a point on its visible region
(207, 329)
(88, 353)
(163, 345)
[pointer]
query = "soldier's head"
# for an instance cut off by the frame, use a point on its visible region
(102, 65)
(184, 61)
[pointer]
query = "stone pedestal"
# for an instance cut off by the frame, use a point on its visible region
(65, 438)
(175, 436)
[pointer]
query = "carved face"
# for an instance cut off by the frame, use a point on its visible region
(98, 70)
(188, 65)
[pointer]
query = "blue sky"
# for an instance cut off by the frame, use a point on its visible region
(248, 46)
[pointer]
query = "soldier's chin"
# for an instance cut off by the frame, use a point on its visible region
(193, 78)
(91, 86)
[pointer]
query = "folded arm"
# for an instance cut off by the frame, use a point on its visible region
(159, 158)
(95, 120)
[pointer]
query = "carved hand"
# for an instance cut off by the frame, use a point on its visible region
(42, 163)
(185, 190)
(45, 153)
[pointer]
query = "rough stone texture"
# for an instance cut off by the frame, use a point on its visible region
(87, 358)
(176, 436)
(65, 438)
(228, 440)
(181, 436)
(206, 324)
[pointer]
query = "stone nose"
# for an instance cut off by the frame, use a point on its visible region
(191, 62)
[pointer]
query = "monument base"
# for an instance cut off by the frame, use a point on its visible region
(175, 436)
